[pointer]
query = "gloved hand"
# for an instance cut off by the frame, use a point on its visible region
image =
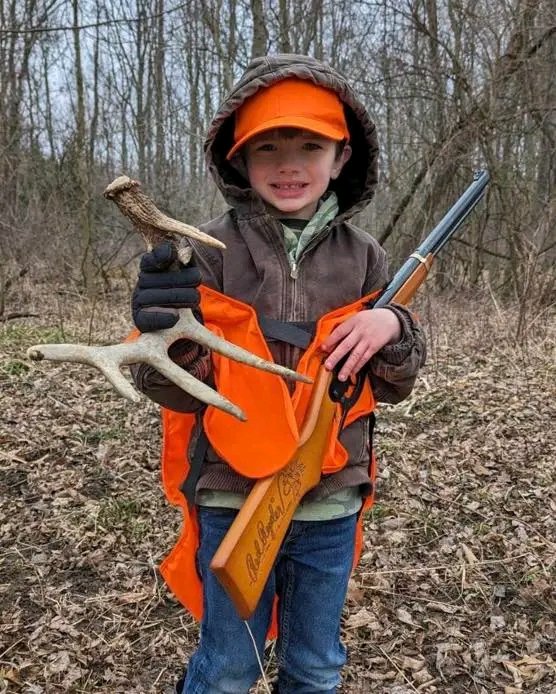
(159, 291)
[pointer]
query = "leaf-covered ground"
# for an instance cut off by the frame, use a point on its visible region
(455, 590)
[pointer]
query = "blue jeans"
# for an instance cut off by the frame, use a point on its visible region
(310, 578)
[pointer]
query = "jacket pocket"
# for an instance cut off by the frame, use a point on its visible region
(355, 439)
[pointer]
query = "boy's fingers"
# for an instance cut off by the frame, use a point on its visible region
(186, 277)
(335, 336)
(159, 318)
(360, 355)
(176, 297)
(354, 364)
(159, 259)
(349, 368)
(342, 349)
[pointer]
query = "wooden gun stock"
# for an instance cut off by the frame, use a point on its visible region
(247, 553)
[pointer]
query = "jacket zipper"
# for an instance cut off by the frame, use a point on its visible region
(294, 274)
(292, 351)
(294, 270)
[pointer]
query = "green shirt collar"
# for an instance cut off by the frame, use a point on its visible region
(297, 241)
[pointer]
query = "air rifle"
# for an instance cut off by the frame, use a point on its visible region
(247, 553)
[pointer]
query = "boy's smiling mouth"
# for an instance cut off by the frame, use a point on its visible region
(289, 191)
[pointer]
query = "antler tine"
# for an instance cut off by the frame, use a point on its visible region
(152, 348)
(189, 327)
(149, 349)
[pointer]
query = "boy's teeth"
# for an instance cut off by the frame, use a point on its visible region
(288, 186)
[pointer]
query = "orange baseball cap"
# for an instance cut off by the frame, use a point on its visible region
(290, 103)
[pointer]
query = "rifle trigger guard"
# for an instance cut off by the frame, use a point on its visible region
(338, 390)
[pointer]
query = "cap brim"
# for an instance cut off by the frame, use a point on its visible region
(314, 126)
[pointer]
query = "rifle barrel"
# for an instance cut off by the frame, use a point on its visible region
(439, 236)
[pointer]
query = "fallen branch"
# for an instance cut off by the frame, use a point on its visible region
(13, 316)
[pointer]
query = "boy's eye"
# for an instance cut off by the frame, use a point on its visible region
(266, 147)
(312, 146)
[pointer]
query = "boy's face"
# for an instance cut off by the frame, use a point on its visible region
(291, 169)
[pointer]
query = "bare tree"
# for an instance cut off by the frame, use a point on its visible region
(81, 161)
(450, 85)
(260, 31)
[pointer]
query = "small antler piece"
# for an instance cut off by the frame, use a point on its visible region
(152, 348)
(153, 225)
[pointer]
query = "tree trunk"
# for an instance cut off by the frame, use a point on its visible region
(81, 170)
(260, 31)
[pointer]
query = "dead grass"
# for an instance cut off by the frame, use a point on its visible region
(455, 591)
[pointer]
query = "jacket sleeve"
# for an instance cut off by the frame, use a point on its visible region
(394, 369)
(190, 356)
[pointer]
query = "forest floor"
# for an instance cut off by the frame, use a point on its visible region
(455, 589)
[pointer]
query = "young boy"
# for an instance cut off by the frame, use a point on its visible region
(294, 153)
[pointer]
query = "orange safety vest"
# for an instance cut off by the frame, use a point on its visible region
(258, 447)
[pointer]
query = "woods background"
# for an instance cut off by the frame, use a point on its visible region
(89, 90)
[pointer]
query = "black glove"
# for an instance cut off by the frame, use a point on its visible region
(159, 291)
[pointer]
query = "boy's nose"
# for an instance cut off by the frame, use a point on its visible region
(288, 163)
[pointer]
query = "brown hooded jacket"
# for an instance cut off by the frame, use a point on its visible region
(340, 264)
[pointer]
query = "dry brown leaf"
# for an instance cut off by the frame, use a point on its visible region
(405, 617)
(355, 593)
(468, 554)
(10, 674)
(412, 663)
(363, 618)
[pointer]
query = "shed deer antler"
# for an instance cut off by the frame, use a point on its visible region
(152, 348)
